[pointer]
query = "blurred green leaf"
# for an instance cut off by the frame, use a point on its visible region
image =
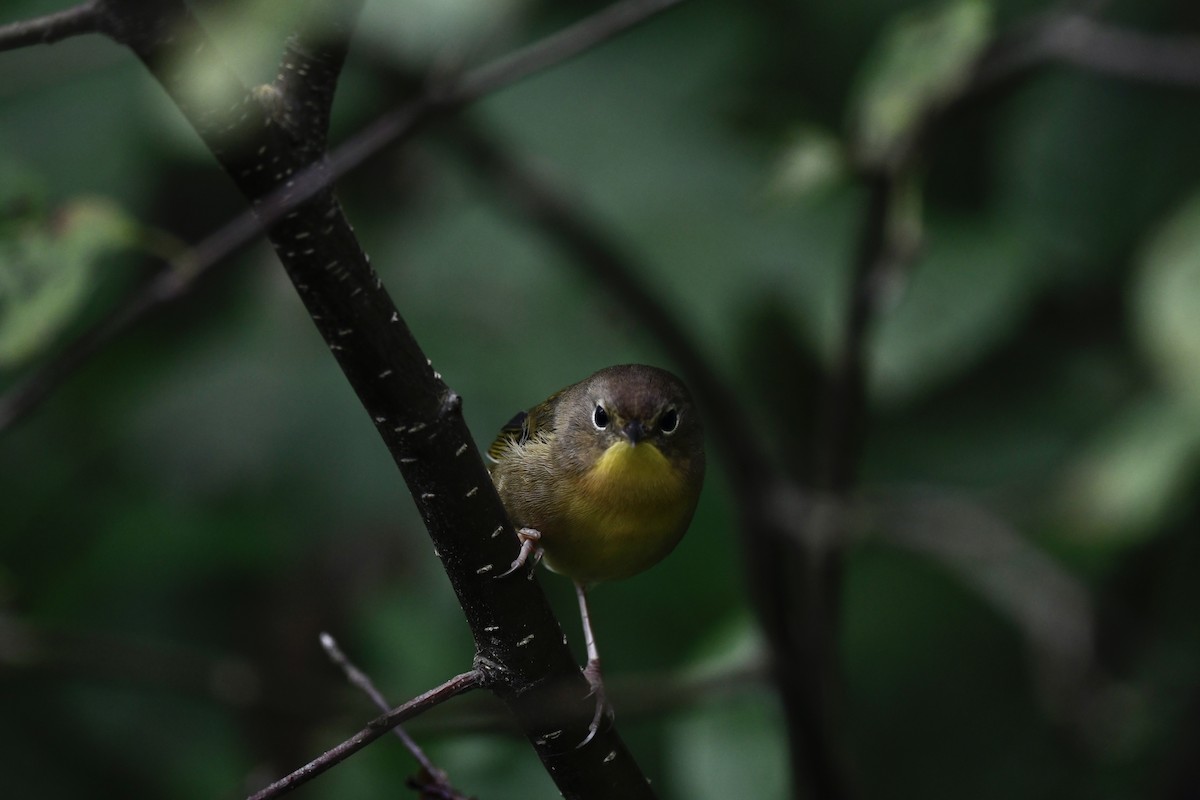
(720, 740)
(637, 134)
(1167, 302)
(47, 266)
(425, 30)
(964, 296)
(22, 192)
(252, 35)
(811, 161)
(1129, 480)
(921, 62)
(729, 750)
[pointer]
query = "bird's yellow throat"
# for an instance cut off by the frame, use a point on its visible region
(638, 469)
(636, 474)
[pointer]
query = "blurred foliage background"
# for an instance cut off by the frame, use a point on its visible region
(181, 519)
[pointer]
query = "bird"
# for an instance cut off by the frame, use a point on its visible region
(601, 481)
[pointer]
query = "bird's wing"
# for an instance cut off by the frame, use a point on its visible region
(523, 427)
(514, 432)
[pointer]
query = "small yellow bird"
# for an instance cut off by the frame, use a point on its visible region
(602, 479)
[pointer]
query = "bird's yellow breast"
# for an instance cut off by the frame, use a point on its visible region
(624, 514)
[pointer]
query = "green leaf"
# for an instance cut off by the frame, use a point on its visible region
(1128, 481)
(812, 161)
(47, 266)
(714, 746)
(964, 296)
(923, 60)
(425, 30)
(1167, 303)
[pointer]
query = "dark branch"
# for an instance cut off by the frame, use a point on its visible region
(309, 70)
(1081, 41)
(83, 18)
(638, 696)
(888, 244)
(558, 47)
(375, 729)
(813, 692)
(520, 648)
(306, 183)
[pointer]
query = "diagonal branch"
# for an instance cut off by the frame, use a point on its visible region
(520, 649)
(308, 72)
(388, 130)
(570, 42)
(375, 729)
(75, 21)
(1081, 41)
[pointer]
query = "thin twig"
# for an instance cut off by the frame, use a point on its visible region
(75, 21)
(639, 696)
(375, 728)
(388, 130)
(33, 389)
(560, 47)
(1081, 41)
(1049, 606)
(393, 127)
(363, 682)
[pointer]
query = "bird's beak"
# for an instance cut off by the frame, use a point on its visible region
(634, 431)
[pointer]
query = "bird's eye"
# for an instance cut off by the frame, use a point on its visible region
(669, 422)
(600, 418)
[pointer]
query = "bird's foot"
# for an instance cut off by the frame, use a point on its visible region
(529, 538)
(603, 707)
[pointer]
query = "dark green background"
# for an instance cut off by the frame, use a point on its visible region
(185, 515)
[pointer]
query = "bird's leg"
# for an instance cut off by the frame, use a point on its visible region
(592, 670)
(529, 538)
